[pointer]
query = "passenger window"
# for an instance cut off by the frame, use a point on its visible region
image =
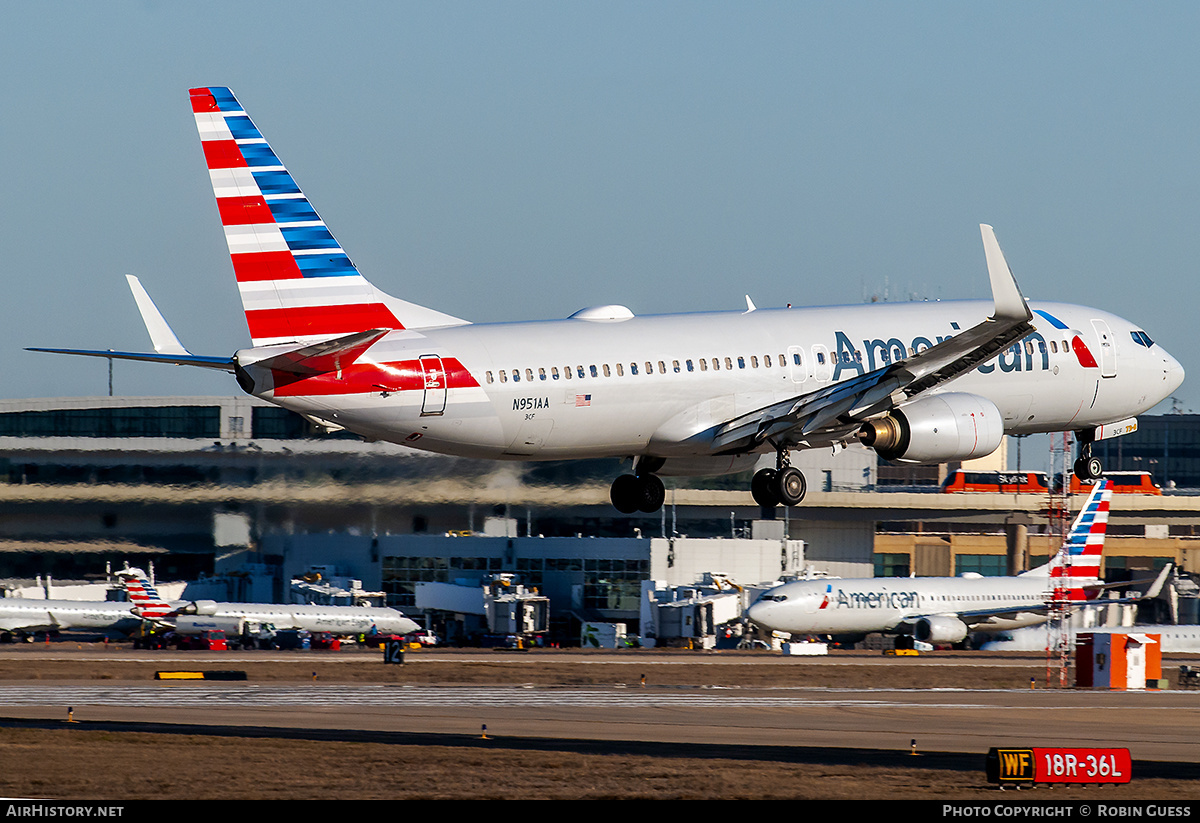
(741, 362)
(729, 362)
(767, 360)
(675, 366)
(554, 373)
(503, 376)
(581, 372)
(689, 366)
(567, 372)
(620, 370)
(529, 375)
(489, 377)
(716, 364)
(649, 367)
(516, 375)
(662, 367)
(703, 364)
(821, 358)
(606, 372)
(593, 371)
(633, 368)
(754, 361)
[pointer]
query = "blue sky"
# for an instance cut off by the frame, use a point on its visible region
(509, 161)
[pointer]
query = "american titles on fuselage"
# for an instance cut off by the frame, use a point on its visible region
(1030, 353)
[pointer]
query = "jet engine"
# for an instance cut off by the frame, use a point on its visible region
(940, 630)
(936, 429)
(203, 607)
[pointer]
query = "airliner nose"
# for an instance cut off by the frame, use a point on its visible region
(1172, 373)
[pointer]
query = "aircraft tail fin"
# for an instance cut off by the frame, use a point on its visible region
(1077, 564)
(296, 282)
(147, 603)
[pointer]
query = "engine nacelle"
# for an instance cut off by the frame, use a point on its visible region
(937, 429)
(940, 630)
(203, 607)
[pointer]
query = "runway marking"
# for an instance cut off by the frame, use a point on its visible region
(195, 695)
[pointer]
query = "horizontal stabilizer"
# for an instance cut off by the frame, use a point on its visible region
(224, 363)
(326, 356)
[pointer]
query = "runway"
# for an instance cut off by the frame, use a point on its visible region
(1158, 726)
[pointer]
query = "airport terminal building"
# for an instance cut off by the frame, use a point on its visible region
(205, 486)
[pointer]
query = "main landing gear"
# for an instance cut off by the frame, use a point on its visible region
(782, 485)
(638, 492)
(1088, 469)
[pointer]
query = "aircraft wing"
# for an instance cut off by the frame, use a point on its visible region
(28, 622)
(839, 408)
(976, 617)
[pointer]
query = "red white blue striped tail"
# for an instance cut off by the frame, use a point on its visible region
(1077, 564)
(145, 598)
(296, 282)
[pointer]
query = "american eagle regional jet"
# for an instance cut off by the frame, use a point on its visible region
(687, 394)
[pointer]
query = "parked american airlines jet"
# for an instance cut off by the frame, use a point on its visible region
(25, 617)
(944, 609)
(686, 394)
(345, 620)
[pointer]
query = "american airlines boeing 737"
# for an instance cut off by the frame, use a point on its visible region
(689, 394)
(945, 609)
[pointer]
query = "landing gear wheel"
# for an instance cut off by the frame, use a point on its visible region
(1089, 469)
(790, 486)
(762, 488)
(652, 493)
(625, 494)
(630, 493)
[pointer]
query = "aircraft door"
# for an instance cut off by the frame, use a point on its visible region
(434, 402)
(798, 363)
(1108, 351)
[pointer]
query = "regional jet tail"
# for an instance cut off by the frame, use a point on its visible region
(943, 610)
(343, 620)
(688, 394)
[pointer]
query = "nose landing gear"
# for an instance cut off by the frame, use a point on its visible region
(1088, 469)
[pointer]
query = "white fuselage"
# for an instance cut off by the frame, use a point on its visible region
(859, 606)
(1175, 639)
(343, 620)
(18, 614)
(659, 385)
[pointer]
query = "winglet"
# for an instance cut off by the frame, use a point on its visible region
(164, 340)
(1005, 292)
(1156, 589)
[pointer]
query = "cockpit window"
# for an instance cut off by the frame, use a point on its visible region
(774, 598)
(1141, 338)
